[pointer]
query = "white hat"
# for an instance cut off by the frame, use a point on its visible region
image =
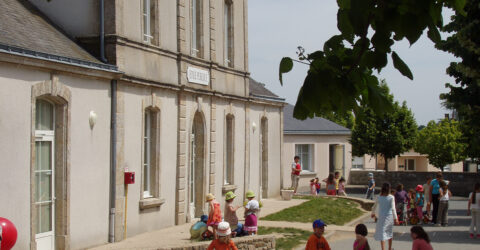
(223, 229)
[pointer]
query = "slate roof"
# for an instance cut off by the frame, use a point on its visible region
(317, 125)
(258, 90)
(24, 30)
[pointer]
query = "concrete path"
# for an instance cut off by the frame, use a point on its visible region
(179, 235)
(455, 236)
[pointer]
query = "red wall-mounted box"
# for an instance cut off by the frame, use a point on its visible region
(129, 177)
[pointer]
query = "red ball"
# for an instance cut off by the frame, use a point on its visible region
(8, 233)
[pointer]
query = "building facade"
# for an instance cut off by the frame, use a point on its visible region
(172, 101)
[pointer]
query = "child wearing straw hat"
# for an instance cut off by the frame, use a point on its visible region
(251, 208)
(231, 212)
(214, 214)
(223, 240)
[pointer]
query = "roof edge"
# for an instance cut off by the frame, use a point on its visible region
(316, 132)
(270, 98)
(58, 59)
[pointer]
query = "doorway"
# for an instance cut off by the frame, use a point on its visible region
(337, 159)
(44, 171)
(197, 167)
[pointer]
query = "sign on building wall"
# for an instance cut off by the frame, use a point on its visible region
(198, 76)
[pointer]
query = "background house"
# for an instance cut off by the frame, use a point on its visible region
(323, 147)
(408, 161)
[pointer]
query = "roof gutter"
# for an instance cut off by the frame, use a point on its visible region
(57, 59)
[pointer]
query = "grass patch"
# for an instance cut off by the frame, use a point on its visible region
(330, 210)
(292, 237)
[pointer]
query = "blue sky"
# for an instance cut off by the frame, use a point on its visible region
(278, 27)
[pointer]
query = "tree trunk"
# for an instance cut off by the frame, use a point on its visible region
(386, 164)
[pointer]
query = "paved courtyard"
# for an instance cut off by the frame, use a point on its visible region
(455, 236)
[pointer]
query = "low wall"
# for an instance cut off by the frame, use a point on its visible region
(246, 243)
(461, 184)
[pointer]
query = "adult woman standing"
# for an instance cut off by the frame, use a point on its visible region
(387, 216)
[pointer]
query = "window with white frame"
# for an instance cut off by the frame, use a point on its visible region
(150, 157)
(149, 24)
(410, 164)
(196, 26)
(357, 162)
(229, 149)
(447, 168)
(228, 32)
(305, 151)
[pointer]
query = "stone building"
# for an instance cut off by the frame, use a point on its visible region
(92, 89)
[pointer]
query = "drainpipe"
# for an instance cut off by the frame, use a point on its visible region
(113, 160)
(102, 31)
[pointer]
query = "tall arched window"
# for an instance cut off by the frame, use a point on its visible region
(228, 32)
(149, 12)
(150, 153)
(229, 150)
(197, 27)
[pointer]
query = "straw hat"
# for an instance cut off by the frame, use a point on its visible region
(210, 197)
(223, 229)
(250, 194)
(229, 195)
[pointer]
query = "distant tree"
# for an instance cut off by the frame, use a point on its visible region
(464, 96)
(388, 135)
(341, 75)
(442, 142)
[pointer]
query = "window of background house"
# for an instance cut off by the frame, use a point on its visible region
(410, 164)
(229, 163)
(196, 28)
(150, 160)
(357, 162)
(305, 152)
(447, 168)
(228, 32)
(149, 13)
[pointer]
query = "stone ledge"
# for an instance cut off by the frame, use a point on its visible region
(150, 203)
(244, 243)
(227, 188)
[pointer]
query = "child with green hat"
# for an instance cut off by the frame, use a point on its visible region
(231, 212)
(251, 209)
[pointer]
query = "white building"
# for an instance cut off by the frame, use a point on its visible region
(173, 102)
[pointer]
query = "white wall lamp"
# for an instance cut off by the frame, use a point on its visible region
(92, 119)
(254, 126)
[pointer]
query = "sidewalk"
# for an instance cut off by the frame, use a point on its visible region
(180, 235)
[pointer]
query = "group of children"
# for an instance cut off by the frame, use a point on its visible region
(317, 241)
(229, 227)
(335, 185)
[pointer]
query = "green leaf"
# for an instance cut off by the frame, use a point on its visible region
(344, 24)
(401, 66)
(286, 64)
(459, 6)
(343, 4)
(434, 34)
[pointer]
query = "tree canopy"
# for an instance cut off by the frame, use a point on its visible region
(341, 76)
(442, 142)
(464, 95)
(389, 134)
